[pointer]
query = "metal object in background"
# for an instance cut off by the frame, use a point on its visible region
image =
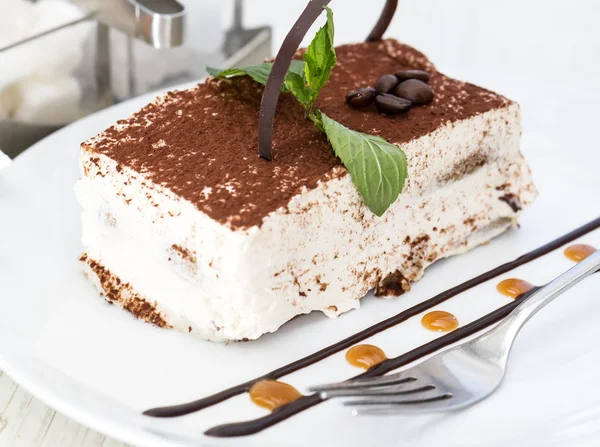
(132, 41)
(244, 46)
(16, 136)
(160, 23)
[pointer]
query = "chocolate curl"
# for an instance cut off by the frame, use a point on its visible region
(384, 21)
(284, 58)
(278, 72)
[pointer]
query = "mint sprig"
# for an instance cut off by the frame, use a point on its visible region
(260, 72)
(320, 59)
(296, 84)
(378, 169)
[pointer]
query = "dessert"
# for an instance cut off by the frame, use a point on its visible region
(187, 227)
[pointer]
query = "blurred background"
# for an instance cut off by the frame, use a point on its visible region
(63, 59)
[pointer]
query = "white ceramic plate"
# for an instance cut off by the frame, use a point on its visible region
(101, 367)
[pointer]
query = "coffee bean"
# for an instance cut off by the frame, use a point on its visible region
(415, 91)
(404, 75)
(361, 97)
(386, 84)
(387, 103)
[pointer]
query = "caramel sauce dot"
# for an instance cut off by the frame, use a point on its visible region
(513, 287)
(578, 252)
(365, 356)
(439, 321)
(271, 394)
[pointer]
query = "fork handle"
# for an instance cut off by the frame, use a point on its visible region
(500, 338)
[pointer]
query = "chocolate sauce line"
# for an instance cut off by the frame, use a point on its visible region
(447, 339)
(254, 426)
(284, 58)
(284, 412)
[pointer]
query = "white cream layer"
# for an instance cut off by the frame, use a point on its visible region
(323, 252)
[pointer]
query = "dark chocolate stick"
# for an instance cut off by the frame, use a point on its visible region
(384, 21)
(277, 75)
(284, 58)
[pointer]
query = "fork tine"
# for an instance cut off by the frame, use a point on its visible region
(394, 405)
(378, 391)
(392, 379)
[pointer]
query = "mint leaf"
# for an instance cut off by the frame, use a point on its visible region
(217, 72)
(316, 118)
(378, 168)
(296, 84)
(259, 72)
(298, 68)
(320, 57)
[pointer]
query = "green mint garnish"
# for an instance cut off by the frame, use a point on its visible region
(259, 72)
(378, 169)
(320, 59)
(296, 84)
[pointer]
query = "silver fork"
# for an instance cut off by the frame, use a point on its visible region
(461, 375)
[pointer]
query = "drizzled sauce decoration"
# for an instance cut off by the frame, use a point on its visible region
(271, 394)
(439, 321)
(365, 356)
(305, 402)
(578, 252)
(514, 287)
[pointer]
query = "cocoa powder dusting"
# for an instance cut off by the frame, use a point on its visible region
(202, 143)
(394, 284)
(184, 253)
(116, 292)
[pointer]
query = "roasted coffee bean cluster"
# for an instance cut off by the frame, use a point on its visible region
(394, 93)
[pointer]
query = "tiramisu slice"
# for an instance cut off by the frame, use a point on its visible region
(186, 227)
